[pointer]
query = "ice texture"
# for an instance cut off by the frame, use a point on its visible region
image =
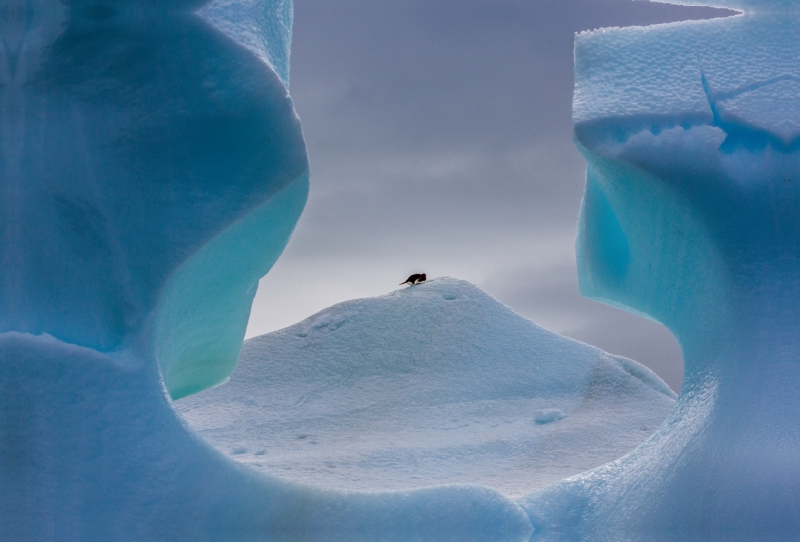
(92, 451)
(691, 134)
(263, 28)
(152, 168)
(433, 384)
(133, 140)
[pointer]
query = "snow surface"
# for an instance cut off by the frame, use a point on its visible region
(92, 451)
(691, 133)
(734, 74)
(433, 384)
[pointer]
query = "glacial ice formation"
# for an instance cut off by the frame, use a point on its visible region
(434, 384)
(691, 217)
(152, 169)
(139, 144)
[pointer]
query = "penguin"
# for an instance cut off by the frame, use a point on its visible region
(416, 278)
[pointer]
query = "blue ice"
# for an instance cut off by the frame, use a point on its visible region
(691, 217)
(152, 169)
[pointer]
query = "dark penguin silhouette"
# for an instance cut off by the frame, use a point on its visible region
(416, 278)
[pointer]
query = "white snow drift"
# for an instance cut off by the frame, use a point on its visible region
(434, 384)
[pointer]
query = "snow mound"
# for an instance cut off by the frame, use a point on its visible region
(433, 384)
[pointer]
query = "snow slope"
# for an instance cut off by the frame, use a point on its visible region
(433, 384)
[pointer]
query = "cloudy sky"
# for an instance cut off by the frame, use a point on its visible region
(440, 141)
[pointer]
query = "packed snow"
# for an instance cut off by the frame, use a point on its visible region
(437, 383)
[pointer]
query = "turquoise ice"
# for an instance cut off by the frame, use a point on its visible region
(691, 217)
(152, 169)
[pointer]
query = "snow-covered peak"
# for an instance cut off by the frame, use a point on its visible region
(433, 383)
(445, 326)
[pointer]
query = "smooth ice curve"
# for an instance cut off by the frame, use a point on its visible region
(133, 138)
(690, 217)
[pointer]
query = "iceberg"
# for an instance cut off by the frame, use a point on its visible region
(152, 168)
(140, 146)
(691, 134)
(438, 383)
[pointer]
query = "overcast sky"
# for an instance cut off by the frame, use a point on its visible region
(440, 141)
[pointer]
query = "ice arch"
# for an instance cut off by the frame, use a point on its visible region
(691, 217)
(152, 169)
(132, 136)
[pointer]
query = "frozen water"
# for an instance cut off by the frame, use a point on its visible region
(265, 28)
(690, 217)
(152, 169)
(133, 141)
(433, 384)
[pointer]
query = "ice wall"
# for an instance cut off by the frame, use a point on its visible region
(691, 216)
(152, 169)
(132, 136)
